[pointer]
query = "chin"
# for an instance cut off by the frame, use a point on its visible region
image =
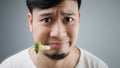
(57, 55)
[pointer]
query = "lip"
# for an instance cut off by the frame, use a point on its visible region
(56, 46)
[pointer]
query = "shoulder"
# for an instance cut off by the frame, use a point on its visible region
(18, 58)
(88, 60)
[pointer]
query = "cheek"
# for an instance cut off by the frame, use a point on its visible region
(40, 34)
(73, 33)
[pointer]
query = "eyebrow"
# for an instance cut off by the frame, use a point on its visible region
(46, 14)
(68, 14)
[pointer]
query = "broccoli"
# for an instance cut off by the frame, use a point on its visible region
(39, 47)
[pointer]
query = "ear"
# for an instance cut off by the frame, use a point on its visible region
(30, 21)
(78, 17)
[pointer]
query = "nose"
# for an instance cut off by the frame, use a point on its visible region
(58, 30)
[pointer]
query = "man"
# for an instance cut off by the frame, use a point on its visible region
(54, 23)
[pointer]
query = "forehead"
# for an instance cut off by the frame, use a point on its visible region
(66, 6)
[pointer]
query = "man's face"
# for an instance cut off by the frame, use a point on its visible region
(57, 26)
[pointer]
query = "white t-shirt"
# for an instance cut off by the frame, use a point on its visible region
(23, 60)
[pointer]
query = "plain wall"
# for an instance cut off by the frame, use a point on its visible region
(99, 29)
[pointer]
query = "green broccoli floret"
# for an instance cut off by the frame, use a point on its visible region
(37, 45)
(40, 47)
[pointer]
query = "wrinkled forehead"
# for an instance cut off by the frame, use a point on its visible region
(67, 6)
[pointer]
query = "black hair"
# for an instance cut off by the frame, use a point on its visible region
(45, 4)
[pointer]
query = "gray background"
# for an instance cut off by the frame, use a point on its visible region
(99, 29)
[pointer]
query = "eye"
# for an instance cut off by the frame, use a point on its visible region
(47, 20)
(68, 19)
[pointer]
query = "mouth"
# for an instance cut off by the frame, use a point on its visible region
(57, 45)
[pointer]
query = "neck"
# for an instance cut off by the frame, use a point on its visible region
(69, 62)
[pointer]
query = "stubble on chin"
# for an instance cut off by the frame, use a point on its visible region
(56, 56)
